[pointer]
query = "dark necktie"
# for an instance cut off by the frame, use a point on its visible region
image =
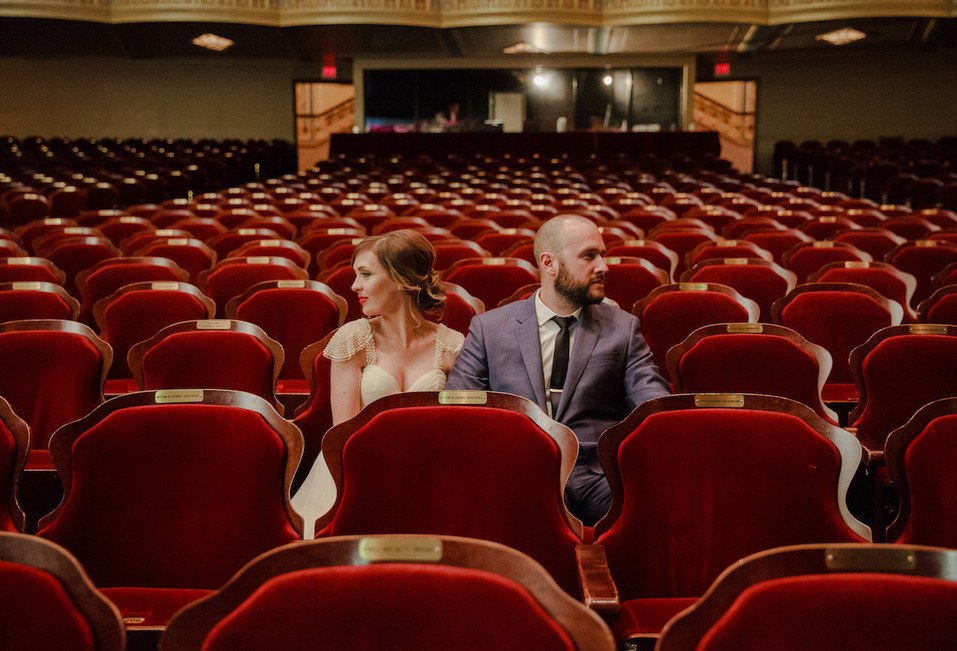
(560, 360)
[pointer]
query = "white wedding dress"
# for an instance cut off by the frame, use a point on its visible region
(318, 492)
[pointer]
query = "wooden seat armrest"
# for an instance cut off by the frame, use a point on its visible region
(598, 588)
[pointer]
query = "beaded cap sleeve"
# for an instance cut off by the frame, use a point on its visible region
(447, 341)
(350, 339)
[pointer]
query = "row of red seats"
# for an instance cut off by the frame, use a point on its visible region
(692, 239)
(920, 173)
(697, 481)
(892, 374)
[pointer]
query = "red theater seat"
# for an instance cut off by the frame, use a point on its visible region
(107, 276)
(887, 280)
(233, 276)
(670, 313)
(923, 259)
(460, 307)
(295, 313)
(52, 373)
(654, 252)
(941, 307)
(491, 279)
(14, 446)
(189, 253)
(837, 316)
(136, 312)
(443, 593)
(49, 603)
(36, 300)
(920, 456)
(146, 514)
(762, 281)
(630, 279)
(490, 467)
(806, 258)
(827, 598)
(898, 370)
(216, 354)
(699, 481)
(752, 358)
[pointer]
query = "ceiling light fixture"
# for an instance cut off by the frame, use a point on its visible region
(841, 36)
(212, 42)
(523, 48)
(607, 80)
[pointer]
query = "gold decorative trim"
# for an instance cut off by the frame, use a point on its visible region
(474, 13)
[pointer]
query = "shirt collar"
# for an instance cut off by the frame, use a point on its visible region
(544, 313)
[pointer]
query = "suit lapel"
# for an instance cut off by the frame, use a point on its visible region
(530, 346)
(585, 340)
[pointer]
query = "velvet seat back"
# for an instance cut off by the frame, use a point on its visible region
(226, 281)
(704, 487)
(838, 321)
(423, 607)
(173, 496)
(17, 304)
(900, 375)
(37, 612)
(682, 241)
(888, 284)
(12, 455)
(491, 283)
(459, 310)
(314, 416)
(932, 485)
(672, 316)
(808, 259)
(464, 471)
(293, 317)
(102, 282)
(943, 310)
(629, 281)
(752, 363)
(138, 315)
(49, 378)
(836, 612)
(762, 284)
(220, 359)
(923, 261)
(75, 255)
(190, 254)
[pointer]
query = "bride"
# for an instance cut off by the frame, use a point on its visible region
(393, 349)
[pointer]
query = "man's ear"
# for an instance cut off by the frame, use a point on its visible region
(548, 263)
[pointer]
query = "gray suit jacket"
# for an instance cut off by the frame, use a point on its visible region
(610, 369)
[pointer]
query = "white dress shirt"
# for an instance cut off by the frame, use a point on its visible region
(547, 333)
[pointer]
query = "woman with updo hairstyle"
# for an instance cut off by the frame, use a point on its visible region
(397, 346)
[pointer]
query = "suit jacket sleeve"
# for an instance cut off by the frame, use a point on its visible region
(643, 381)
(470, 371)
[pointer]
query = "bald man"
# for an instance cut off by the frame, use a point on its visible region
(610, 370)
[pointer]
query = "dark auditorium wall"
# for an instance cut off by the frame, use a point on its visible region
(149, 99)
(851, 95)
(845, 94)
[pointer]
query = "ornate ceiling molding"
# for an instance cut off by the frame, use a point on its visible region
(471, 13)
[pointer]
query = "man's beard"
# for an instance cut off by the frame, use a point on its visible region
(585, 293)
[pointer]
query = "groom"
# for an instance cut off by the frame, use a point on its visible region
(522, 348)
